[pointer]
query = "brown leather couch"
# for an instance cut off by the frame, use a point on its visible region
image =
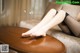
(47, 44)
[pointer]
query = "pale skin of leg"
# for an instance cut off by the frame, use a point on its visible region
(54, 21)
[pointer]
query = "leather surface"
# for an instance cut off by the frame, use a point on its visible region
(47, 44)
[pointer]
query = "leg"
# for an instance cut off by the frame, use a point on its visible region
(73, 24)
(46, 19)
(55, 21)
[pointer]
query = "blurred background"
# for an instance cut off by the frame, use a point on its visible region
(14, 11)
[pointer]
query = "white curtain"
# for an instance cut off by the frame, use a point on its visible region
(0, 6)
(16, 10)
(11, 13)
